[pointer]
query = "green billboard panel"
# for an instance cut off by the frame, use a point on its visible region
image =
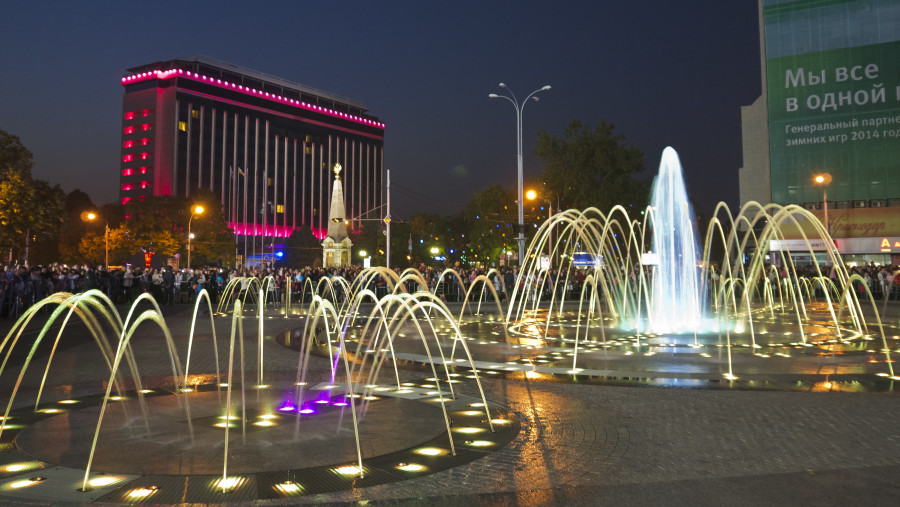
(835, 111)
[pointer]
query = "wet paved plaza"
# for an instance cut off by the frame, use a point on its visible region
(580, 442)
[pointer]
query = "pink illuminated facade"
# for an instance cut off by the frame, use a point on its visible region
(263, 144)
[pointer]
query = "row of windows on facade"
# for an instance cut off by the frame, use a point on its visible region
(142, 156)
(128, 171)
(146, 127)
(132, 186)
(278, 208)
(144, 141)
(144, 113)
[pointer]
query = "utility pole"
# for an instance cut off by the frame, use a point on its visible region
(387, 222)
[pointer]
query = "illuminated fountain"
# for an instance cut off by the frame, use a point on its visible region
(632, 300)
(210, 422)
(675, 280)
(645, 291)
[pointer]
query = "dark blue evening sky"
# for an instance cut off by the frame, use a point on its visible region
(663, 72)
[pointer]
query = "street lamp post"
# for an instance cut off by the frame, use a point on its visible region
(196, 210)
(823, 180)
(90, 216)
(519, 106)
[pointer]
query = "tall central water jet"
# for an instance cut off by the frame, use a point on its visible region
(676, 300)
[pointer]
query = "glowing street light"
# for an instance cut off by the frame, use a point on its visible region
(519, 106)
(823, 179)
(362, 253)
(532, 195)
(196, 210)
(90, 216)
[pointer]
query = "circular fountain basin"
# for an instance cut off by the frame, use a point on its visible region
(188, 445)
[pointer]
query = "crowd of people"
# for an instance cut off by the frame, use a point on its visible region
(22, 286)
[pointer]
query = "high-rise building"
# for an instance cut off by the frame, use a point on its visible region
(830, 106)
(263, 144)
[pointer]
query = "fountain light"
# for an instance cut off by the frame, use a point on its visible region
(470, 412)
(21, 467)
(500, 421)
(141, 493)
(431, 451)
(26, 482)
(468, 430)
(104, 480)
(288, 488)
(67, 402)
(306, 411)
(348, 470)
(479, 443)
(410, 467)
(146, 391)
(50, 410)
(229, 483)
(264, 423)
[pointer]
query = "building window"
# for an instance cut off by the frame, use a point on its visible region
(145, 184)
(128, 130)
(146, 127)
(128, 144)
(195, 113)
(145, 156)
(182, 126)
(127, 158)
(127, 172)
(127, 186)
(143, 170)
(279, 208)
(125, 201)
(146, 112)
(145, 141)
(129, 115)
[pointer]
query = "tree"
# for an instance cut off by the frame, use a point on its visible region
(73, 228)
(213, 241)
(14, 156)
(303, 249)
(92, 247)
(592, 167)
(151, 224)
(29, 209)
(490, 217)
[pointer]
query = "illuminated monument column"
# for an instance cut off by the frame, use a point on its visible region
(336, 245)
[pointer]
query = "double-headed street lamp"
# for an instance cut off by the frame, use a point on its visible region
(196, 210)
(823, 180)
(90, 216)
(519, 193)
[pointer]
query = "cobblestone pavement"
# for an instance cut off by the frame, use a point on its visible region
(596, 444)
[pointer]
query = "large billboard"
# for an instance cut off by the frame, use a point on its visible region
(833, 85)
